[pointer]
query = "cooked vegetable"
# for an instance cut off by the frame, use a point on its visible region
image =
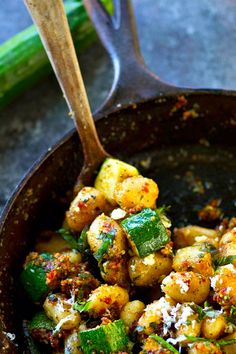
(43, 272)
(137, 259)
(204, 347)
(230, 348)
(23, 61)
(61, 312)
(69, 238)
(34, 277)
(136, 193)
(148, 271)
(163, 343)
(111, 173)
(41, 321)
(224, 285)
(106, 298)
(106, 238)
(105, 339)
(214, 328)
(114, 271)
(88, 204)
(221, 342)
(153, 315)
(186, 287)
(188, 235)
(187, 323)
(219, 261)
(195, 258)
(131, 312)
(152, 346)
(72, 343)
(145, 232)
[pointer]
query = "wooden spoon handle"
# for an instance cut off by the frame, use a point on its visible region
(50, 19)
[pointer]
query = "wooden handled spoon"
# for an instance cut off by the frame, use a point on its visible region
(50, 19)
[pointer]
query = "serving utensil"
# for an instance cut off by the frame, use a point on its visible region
(51, 22)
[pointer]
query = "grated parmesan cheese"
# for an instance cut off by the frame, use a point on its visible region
(174, 341)
(214, 280)
(118, 213)
(230, 267)
(186, 311)
(184, 288)
(149, 260)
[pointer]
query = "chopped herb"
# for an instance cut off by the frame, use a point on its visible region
(163, 209)
(207, 311)
(232, 310)
(219, 343)
(161, 212)
(232, 315)
(163, 343)
(82, 240)
(221, 261)
(82, 306)
(67, 235)
(207, 247)
(223, 342)
(107, 238)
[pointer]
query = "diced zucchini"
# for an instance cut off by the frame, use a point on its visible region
(145, 232)
(104, 339)
(112, 172)
(33, 278)
(41, 321)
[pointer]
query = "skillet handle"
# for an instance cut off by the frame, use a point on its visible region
(133, 82)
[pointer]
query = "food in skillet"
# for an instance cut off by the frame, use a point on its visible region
(115, 279)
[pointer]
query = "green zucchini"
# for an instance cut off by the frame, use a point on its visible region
(105, 339)
(41, 321)
(33, 278)
(146, 232)
(23, 61)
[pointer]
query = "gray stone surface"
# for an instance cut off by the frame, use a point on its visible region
(188, 43)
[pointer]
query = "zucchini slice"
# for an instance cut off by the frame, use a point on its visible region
(33, 277)
(105, 339)
(41, 321)
(146, 232)
(112, 172)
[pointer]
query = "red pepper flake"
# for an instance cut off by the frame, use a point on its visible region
(82, 205)
(51, 276)
(107, 300)
(224, 290)
(107, 227)
(145, 187)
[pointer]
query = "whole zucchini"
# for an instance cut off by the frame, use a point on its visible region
(23, 61)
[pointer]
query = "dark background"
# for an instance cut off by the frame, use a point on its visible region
(188, 43)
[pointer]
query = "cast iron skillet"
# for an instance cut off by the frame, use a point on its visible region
(185, 139)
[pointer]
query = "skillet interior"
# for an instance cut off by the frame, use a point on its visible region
(153, 130)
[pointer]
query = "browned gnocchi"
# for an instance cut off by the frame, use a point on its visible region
(116, 278)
